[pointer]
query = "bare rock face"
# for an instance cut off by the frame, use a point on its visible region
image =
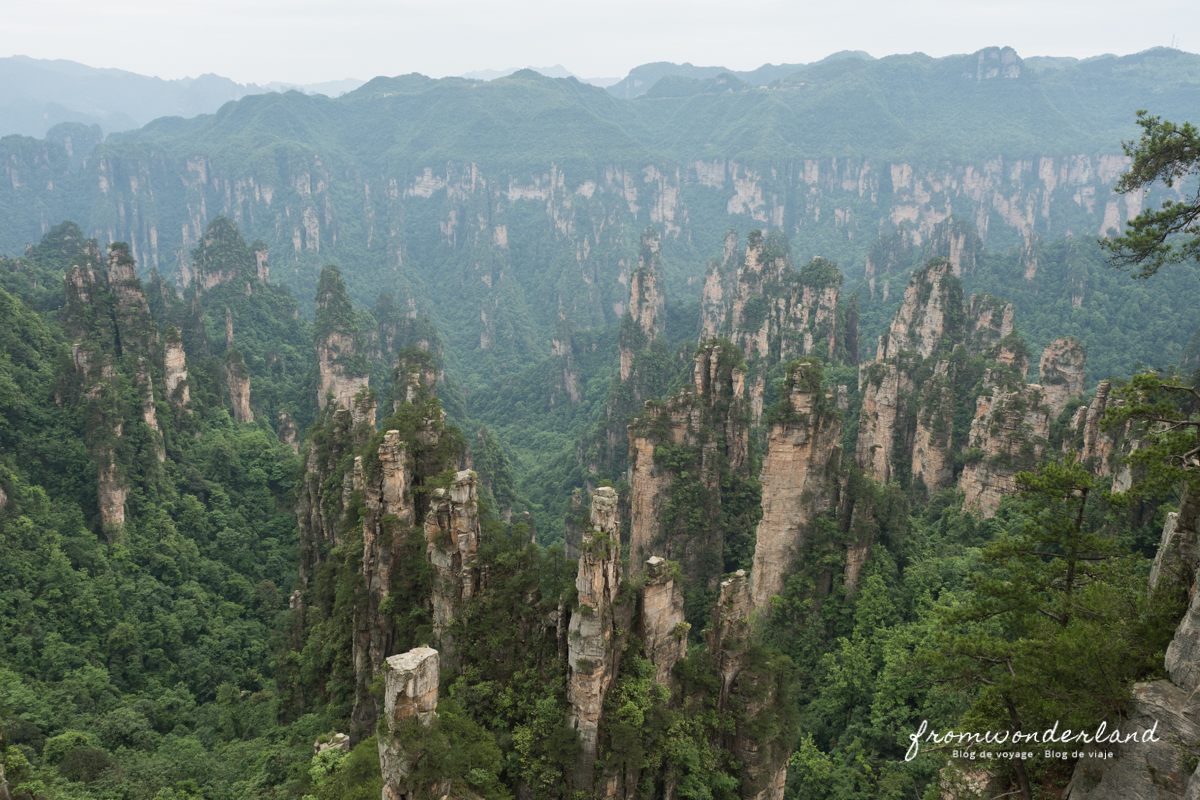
(647, 303)
(1178, 556)
(1061, 373)
(175, 370)
(769, 309)
(1100, 450)
(662, 628)
(726, 639)
(287, 430)
(137, 327)
(334, 378)
(799, 479)
(591, 655)
(932, 456)
(112, 489)
(883, 388)
(989, 320)
(1146, 770)
(1009, 434)
(926, 314)
(339, 349)
(764, 767)
(720, 280)
(410, 690)
(689, 421)
(238, 378)
(452, 541)
(955, 239)
(389, 510)
(1157, 770)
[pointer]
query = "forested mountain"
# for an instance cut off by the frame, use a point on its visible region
(511, 439)
(38, 94)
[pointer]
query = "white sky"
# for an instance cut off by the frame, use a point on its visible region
(306, 41)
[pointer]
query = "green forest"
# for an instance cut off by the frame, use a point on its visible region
(235, 482)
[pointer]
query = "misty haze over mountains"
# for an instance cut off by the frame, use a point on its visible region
(37, 94)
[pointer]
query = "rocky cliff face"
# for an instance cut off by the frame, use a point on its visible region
(1061, 372)
(703, 432)
(175, 370)
(116, 339)
(933, 450)
(799, 478)
(647, 302)
(748, 688)
(410, 691)
(1102, 451)
(939, 352)
(452, 540)
(1163, 769)
(1008, 434)
(591, 658)
(310, 212)
(237, 376)
(661, 625)
(930, 315)
(771, 311)
(342, 371)
(884, 387)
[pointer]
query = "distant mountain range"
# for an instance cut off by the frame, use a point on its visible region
(557, 71)
(37, 94)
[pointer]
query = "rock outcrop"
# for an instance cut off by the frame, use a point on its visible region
(704, 431)
(1008, 434)
(662, 628)
(1163, 769)
(929, 315)
(452, 541)
(1102, 451)
(933, 451)
(116, 338)
(1061, 373)
(237, 376)
(927, 363)
(770, 310)
(647, 316)
(884, 386)
(592, 651)
(175, 372)
(342, 371)
(410, 691)
(746, 692)
(799, 477)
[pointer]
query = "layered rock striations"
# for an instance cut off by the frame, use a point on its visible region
(932, 454)
(799, 477)
(116, 347)
(175, 373)
(592, 651)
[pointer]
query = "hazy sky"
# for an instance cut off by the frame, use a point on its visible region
(306, 41)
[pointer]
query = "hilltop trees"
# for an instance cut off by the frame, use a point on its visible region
(1168, 153)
